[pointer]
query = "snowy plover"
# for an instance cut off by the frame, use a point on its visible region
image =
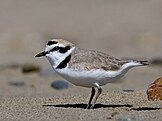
(86, 68)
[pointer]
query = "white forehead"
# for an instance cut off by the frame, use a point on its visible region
(59, 42)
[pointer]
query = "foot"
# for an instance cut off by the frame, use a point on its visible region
(90, 107)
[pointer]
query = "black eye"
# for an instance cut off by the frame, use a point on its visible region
(55, 49)
(51, 43)
(64, 49)
(60, 49)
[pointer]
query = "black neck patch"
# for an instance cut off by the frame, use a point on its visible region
(64, 63)
(51, 43)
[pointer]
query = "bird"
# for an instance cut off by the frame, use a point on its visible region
(86, 68)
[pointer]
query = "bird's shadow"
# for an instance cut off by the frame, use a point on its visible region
(83, 106)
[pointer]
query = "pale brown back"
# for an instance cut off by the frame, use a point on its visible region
(89, 59)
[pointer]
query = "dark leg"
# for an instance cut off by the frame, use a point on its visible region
(96, 97)
(90, 100)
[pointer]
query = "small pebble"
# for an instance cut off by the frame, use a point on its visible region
(29, 68)
(16, 83)
(59, 84)
(154, 91)
(128, 90)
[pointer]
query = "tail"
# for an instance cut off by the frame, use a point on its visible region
(143, 63)
(134, 63)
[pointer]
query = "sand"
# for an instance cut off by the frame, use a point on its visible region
(37, 100)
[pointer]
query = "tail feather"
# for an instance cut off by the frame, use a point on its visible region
(143, 63)
(134, 63)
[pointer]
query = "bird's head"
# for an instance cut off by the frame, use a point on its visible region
(57, 50)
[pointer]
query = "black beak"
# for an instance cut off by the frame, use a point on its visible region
(41, 54)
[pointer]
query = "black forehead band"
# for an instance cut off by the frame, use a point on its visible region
(51, 43)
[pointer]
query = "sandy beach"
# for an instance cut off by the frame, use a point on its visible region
(125, 29)
(36, 100)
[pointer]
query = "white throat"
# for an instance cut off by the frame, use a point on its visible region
(55, 58)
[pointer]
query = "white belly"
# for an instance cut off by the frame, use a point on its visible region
(89, 78)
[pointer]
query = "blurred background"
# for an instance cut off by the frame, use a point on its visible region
(124, 28)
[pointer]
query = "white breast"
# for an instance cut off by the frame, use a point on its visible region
(89, 78)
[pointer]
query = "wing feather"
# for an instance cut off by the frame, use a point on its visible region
(90, 59)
